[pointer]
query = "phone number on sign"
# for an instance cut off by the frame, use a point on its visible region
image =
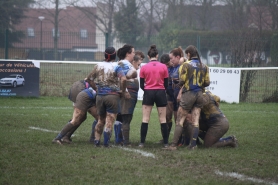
(229, 71)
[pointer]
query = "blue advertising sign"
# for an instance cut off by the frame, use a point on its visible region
(19, 78)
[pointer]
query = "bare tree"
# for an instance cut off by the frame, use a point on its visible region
(247, 50)
(53, 10)
(260, 15)
(103, 17)
(205, 14)
(273, 8)
(234, 15)
(153, 12)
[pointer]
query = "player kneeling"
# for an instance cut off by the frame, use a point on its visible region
(213, 124)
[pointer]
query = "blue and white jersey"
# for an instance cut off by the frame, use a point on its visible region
(107, 76)
(175, 78)
(131, 75)
(125, 65)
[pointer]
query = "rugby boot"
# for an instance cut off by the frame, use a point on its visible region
(66, 139)
(165, 146)
(57, 141)
(67, 128)
(228, 141)
(172, 147)
(97, 143)
(234, 142)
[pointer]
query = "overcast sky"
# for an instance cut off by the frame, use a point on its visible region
(64, 3)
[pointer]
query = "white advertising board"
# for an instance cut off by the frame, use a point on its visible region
(225, 83)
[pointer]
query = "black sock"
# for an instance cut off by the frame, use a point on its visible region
(164, 131)
(195, 132)
(144, 130)
(169, 128)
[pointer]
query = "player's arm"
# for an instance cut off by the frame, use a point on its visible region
(165, 83)
(207, 79)
(90, 78)
(182, 75)
(217, 100)
(142, 83)
(123, 81)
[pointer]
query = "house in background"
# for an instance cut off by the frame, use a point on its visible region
(76, 34)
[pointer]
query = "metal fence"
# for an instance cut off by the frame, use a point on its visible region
(56, 78)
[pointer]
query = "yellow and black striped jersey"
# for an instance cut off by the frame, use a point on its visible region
(193, 75)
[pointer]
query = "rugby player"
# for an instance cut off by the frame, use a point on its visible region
(213, 124)
(130, 67)
(111, 84)
(84, 102)
(193, 78)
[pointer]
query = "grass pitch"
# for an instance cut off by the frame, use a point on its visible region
(27, 155)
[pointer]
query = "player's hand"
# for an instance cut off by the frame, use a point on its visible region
(127, 95)
(179, 96)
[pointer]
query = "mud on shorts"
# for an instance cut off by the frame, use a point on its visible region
(84, 102)
(128, 105)
(217, 128)
(75, 89)
(190, 99)
(157, 96)
(108, 103)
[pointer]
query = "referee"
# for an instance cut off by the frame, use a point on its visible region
(154, 81)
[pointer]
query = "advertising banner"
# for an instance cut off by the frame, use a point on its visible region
(19, 78)
(225, 83)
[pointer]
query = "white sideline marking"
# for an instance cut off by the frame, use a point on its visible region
(8, 107)
(146, 154)
(243, 177)
(44, 130)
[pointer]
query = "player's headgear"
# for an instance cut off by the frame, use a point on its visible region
(110, 54)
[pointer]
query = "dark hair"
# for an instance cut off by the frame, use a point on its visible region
(152, 51)
(193, 53)
(136, 58)
(121, 53)
(177, 52)
(164, 59)
(140, 54)
(110, 54)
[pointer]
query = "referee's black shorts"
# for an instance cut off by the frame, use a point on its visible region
(157, 96)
